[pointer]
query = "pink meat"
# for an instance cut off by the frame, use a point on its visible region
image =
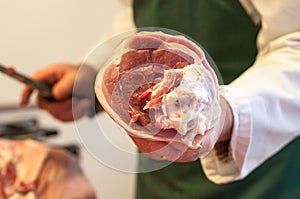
(129, 80)
(31, 170)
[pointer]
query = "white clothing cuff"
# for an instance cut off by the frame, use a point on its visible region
(223, 172)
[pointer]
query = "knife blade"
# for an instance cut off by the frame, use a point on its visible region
(43, 87)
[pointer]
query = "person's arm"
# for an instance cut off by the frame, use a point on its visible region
(63, 75)
(265, 100)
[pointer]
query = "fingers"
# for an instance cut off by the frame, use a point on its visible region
(63, 87)
(43, 75)
(159, 150)
(25, 96)
(61, 110)
(61, 76)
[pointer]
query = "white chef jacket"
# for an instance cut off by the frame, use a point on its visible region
(265, 100)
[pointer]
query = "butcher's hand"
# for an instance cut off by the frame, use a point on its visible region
(68, 105)
(218, 138)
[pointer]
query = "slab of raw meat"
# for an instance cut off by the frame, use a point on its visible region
(32, 170)
(160, 86)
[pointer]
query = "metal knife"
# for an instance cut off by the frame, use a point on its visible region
(43, 87)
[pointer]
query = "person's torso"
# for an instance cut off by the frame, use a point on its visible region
(227, 33)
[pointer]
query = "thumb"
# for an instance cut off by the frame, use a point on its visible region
(63, 88)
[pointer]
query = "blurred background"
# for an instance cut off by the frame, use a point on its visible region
(37, 33)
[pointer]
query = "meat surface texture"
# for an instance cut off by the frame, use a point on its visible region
(160, 86)
(32, 170)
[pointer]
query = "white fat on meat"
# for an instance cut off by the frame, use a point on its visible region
(19, 168)
(33, 170)
(191, 107)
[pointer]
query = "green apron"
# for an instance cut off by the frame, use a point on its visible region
(228, 35)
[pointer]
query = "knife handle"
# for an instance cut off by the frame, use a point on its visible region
(45, 89)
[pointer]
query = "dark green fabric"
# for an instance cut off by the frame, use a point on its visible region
(227, 33)
(221, 27)
(278, 178)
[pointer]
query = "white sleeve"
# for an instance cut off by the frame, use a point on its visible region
(265, 100)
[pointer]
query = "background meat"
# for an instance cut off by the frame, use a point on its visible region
(31, 170)
(62, 178)
(138, 86)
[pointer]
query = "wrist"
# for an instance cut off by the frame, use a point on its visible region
(228, 121)
(222, 145)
